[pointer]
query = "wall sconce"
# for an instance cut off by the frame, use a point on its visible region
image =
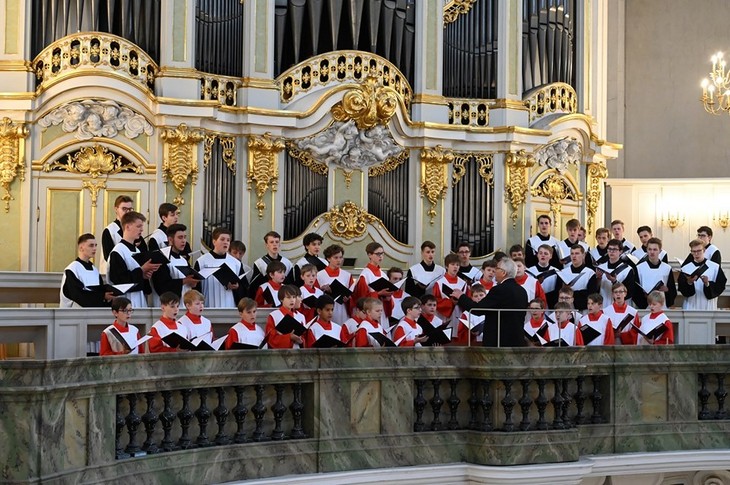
(722, 218)
(673, 219)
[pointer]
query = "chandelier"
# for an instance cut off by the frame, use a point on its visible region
(716, 89)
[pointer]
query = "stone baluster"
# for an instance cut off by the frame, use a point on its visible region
(167, 418)
(185, 415)
(419, 403)
(557, 401)
(297, 411)
(474, 405)
(720, 395)
(525, 403)
(239, 412)
(704, 396)
(203, 415)
(508, 404)
(596, 399)
(567, 422)
(278, 409)
(542, 403)
(259, 410)
(120, 424)
(436, 403)
(454, 402)
(133, 421)
(486, 403)
(580, 399)
(221, 416)
(150, 418)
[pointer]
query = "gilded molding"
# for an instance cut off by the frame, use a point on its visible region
(208, 143)
(434, 175)
(94, 161)
(390, 164)
(349, 222)
(263, 166)
(597, 171)
(228, 146)
(468, 112)
(454, 8)
(552, 98)
(367, 104)
(556, 189)
(11, 164)
(306, 159)
(515, 181)
(485, 166)
(93, 186)
(179, 164)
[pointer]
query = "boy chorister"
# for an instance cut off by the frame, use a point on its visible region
(392, 305)
(595, 321)
(309, 290)
(565, 246)
(641, 252)
(112, 233)
(246, 331)
(543, 237)
(466, 270)
(408, 333)
(489, 267)
(537, 322)
(323, 324)
(654, 274)
(80, 275)
(617, 229)
(122, 310)
(312, 246)
(422, 276)
(654, 328)
(623, 316)
(335, 255)
(369, 275)
(170, 305)
(272, 239)
(289, 297)
(373, 309)
(563, 331)
(169, 277)
(580, 278)
(197, 325)
(615, 269)
(701, 280)
(444, 286)
(159, 238)
(464, 335)
(217, 295)
(531, 285)
(546, 274)
(599, 254)
(267, 294)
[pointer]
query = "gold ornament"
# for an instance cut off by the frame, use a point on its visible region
(208, 149)
(93, 186)
(367, 103)
(94, 161)
(306, 159)
(515, 182)
(596, 173)
(11, 165)
(228, 144)
(263, 166)
(350, 222)
(454, 8)
(180, 164)
(434, 175)
(556, 189)
(348, 178)
(391, 163)
(485, 166)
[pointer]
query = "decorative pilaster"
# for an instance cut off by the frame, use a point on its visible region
(516, 182)
(179, 163)
(556, 191)
(263, 166)
(11, 163)
(435, 175)
(597, 171)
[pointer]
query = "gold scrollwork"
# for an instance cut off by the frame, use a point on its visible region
(553, 98)
(596, 173)
(11, 165)
(391, 163)
(434, 175)
(368, 104)
(306, 159)
(515, 182)
(263, 166)
(180, 165)
(485, 165)
(228, 144)
(208, 149)
(94, 161)
(93, 186)
(349, 222)
(454, 8)
(556, 190)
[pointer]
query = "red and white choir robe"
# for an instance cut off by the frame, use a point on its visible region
(407, 330)
(352, 324)
(600, 323)
(697, 296)
(445, 306)
(648, 275)
(618, 314)
(567, 331)
(326, 277)
(198, 326)
(362, 336)
(625, 274)
(273, 290)
(124, 269)
(77, 277)
(532, 325)
(275, 339)
(259, 271)
(168, 277)
(488, 285)
(649, 322)
(319, 328)
(369, 274)
(307, 292)
(532, 287)
(245, 333)
(161, 329)
(462, 333)
(110, 345)
(216, 295)
(392, 306)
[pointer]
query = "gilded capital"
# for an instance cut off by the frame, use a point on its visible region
(11, 163)
(435, 175)
(597, 171)
(180, 163)
(263, 166)
(367, 104)
(515, 181)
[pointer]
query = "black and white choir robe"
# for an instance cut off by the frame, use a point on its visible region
(470, 274)
(259, 276)
(425, 276)
(599, 255)
(534, 243)
(624, 274)
(548, 278)
(77, 278)
(583, 281)
(639, 253)
(711, 252)
(648, 275)
(697, 296)
(564, 252)
(110, 237)
(216, 295)
(627, 247)
(158, 240)
(319, 263)
(124, 269)
(169, 278)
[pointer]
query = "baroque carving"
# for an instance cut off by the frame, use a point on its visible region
(454, 8)
(344, 145)
(560, 154)
(180, 165)
(263, 166)
(367, 104)
(306, 159)
(485, 164)
(434, 175)
(391, 163)
(515, 182)
(596, 173)
(11, 165)
(97, 118)
(349, 222)
(208, 143)
(94, 161)
(556, 190)
(93, 186)
(228, 144)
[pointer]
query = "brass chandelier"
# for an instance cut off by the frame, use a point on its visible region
(716, 89)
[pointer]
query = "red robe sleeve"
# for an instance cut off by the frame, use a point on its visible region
(361, 338)
(540, 293)
(156, 344)
(361, 291)
(668, 337)
(274, 338)
(578, 338)
(400, 333)
(444, 304)
(609, 338)
(631, 337)
(260, 300)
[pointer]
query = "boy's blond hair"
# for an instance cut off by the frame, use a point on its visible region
(656, 296)
(369, 303)
(192, 296)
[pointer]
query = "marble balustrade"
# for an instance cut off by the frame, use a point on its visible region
(311, 411)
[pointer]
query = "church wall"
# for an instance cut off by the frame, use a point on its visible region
(667, 132)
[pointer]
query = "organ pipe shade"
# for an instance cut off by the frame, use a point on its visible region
(388, 200)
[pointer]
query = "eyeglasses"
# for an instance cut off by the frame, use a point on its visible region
(618, 292)
(379, 253)
(126, 209)
(614, 249)
(702, 235)
(128, 311)
(463, 251)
